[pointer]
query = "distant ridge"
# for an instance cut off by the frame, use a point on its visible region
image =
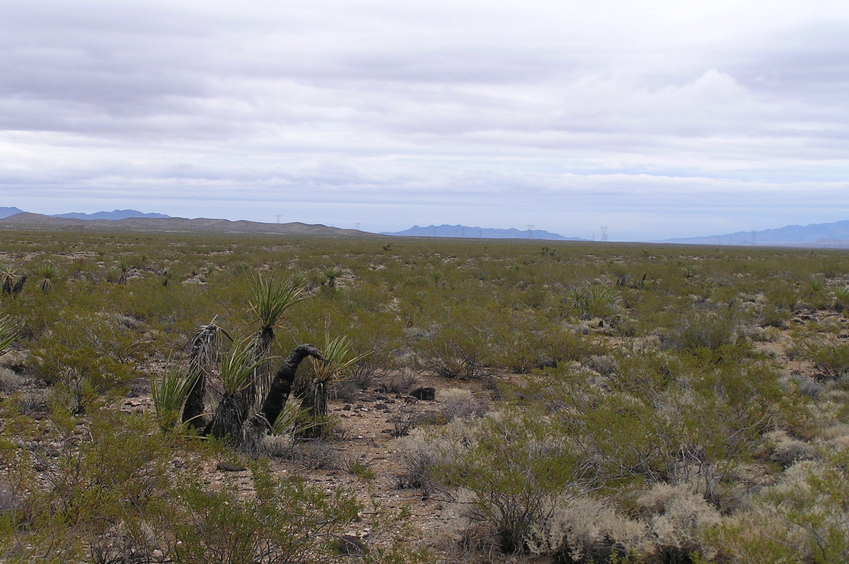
(820, 235)
(464, 232)
(38, 222)
(7, 212)
(113, 215)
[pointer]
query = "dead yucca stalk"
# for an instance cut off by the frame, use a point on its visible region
(204, 357)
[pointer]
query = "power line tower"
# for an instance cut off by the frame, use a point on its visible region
(358, 225)
(530, 231)
(278, 217)
(604, 233)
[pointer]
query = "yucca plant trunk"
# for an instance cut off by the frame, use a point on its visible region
(202, 358)
(228, 420)
(281, 386)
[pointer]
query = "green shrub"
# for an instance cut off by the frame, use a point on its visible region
(831, 359)
(286, 521)
(703, 331)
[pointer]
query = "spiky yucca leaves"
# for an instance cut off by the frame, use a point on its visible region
(12, 280)
(203, 362)
(236, 373)
(270, 299)
(169, 393)
(46, 272)
(292, 419)
(124, 265)
(8, 332)
(593, 301)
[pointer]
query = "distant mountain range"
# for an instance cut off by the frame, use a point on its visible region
(113, 215)
(116, 214)
(465, 232)
(821, 235)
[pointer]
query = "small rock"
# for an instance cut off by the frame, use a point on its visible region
(350, 544)
(425, 394)
(230, 467)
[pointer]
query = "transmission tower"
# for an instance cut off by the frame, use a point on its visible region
(604, 233)
(530, 231)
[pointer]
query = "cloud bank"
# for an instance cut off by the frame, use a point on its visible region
(655, 119)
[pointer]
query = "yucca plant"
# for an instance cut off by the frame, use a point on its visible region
(293, 419)
(12, 280)
(332, 368)
(8, 332)
(170, 392)
(593, 301)
(841, 297)
(46, 272)
(124, 265)
(331, 273)
(269, 301)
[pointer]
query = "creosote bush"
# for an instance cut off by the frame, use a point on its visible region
(654, 435)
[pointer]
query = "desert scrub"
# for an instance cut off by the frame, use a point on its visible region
(802, 518)
(515, 466)
(108, 469)
(830, 359)
(704, 331)
(286, 521)
(84, 357)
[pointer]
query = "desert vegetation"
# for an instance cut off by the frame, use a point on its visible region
(458, 401)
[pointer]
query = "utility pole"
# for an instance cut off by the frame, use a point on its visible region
(530, 231)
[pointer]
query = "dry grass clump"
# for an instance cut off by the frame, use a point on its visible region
(786, 451)
(426, 448)
(677, 517)
(588, 529)
(401, 381)
(802, 518)
(460, 403)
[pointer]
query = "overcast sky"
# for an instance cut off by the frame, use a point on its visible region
(655, 119)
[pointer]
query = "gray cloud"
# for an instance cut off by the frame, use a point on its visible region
(727, 113)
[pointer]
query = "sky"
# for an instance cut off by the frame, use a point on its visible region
(653, 119)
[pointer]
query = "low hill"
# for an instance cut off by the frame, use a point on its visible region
(171, 225)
